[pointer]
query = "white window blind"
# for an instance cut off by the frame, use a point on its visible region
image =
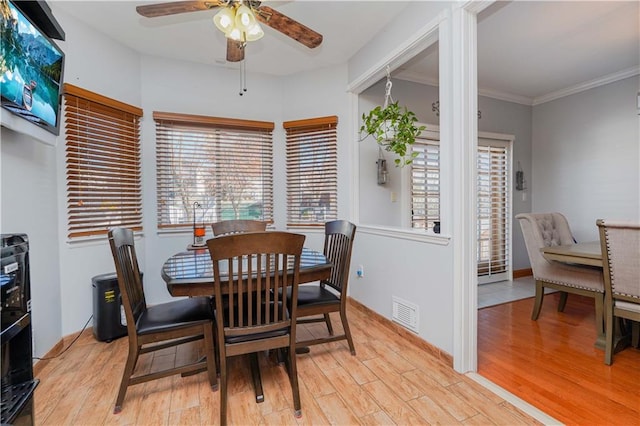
(425, 184)
(312, 171)
(225, 165)
(493, 210)
(102, 163)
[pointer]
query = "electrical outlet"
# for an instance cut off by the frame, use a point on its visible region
(360, 271)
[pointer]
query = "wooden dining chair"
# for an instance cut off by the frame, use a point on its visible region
(620, 244)
(235, 226)
(152, 328)
(317, 300)
(552, 229)
(252, 269)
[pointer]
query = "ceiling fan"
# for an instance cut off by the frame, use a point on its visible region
(233, 8)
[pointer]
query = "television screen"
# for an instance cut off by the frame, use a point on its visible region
(31, 67)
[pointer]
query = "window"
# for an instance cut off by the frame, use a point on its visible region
(312, 171)
(212, 169)
(425, 183)
(103, 163)
(493, 210)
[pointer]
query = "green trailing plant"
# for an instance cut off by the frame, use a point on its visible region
(394, 129)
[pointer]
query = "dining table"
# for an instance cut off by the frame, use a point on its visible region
(588, 254)
(190, 273)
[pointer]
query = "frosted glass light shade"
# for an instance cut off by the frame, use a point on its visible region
(224, 20)
(254, 33)
(244, 18)
(235, 34)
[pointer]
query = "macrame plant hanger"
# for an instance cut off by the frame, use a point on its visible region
(383, 174)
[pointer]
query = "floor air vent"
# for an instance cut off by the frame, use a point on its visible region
(405, 313)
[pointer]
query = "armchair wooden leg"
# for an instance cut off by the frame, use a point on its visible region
(538, 303)
(132, 359)
(563, 301)
(599, 301)
(209, 347)
(327, 319)
(347, 331)
(293, 379)
(608, 346)
(223, 389)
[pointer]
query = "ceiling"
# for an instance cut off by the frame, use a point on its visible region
(528, 51)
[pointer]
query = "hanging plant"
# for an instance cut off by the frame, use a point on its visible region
(393, 127)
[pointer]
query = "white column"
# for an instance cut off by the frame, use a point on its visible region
(463, 125)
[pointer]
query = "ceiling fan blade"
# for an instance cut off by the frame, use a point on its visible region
(173, 8)
(235, 51)
(288, 26)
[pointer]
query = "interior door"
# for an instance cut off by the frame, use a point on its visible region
(494, 210)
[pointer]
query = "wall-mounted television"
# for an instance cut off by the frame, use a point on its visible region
(31, 70)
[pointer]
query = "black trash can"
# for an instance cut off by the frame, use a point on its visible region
(109, 321)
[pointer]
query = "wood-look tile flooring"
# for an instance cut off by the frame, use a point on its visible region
(552, 363)
(389, 381)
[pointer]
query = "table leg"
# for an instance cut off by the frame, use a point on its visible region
(255, 373)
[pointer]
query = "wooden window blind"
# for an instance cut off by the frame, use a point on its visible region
(225, 165)
(103, 163)
(425, 184)
(493, 210)
(312, 171)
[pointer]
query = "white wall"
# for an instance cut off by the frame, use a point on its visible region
(417, 271)
(586, 156)
(96, 63)
(28, 193)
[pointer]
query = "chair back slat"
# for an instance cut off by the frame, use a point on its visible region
(338, 243)
(129, 277)
(254, 270)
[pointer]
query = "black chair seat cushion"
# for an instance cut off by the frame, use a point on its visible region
(314, 294)
(255, 336)
(175, 315)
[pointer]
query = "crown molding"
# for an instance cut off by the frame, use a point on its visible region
(508, 97)
(601, 81)
(415, 77)
(525, 100)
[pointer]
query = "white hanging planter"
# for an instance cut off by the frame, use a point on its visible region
(389, 130)
(393, 127)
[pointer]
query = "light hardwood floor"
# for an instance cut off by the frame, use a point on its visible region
(389, 381)
(552, 362)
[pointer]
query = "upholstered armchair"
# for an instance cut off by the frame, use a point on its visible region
(620, 243)
(552, 229)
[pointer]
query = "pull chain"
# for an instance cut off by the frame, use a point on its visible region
(243, 78)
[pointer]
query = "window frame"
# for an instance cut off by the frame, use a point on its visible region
(320, 133)
(103, 149)
(197, 130)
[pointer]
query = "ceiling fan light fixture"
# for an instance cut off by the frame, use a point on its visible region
(254, 33)
(235, 34)
(224, 20)
(244, 18)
